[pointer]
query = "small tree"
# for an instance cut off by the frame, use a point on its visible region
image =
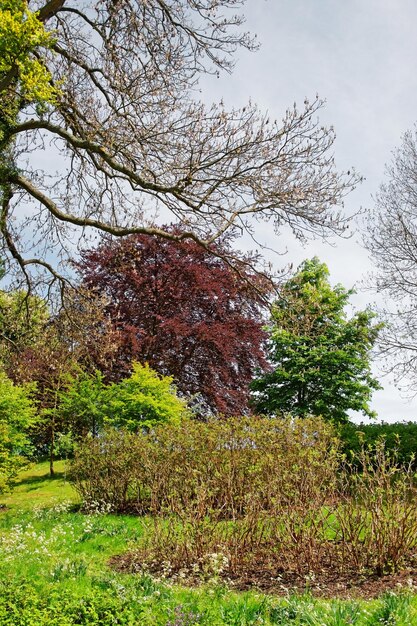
(82, 403)
(321, 358)
(17, 415)
(144, 399)
(141, 400)
(71, 341)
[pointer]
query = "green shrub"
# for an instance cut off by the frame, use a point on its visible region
(143, 400)
(17, 415)
(140, 401)
(400, 437)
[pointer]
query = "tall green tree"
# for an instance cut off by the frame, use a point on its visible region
(320, 358)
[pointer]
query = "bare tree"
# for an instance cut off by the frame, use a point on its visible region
(392, 241)
(126, 139)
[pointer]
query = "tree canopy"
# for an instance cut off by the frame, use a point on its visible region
(109, 89)
(320, 357)
(183, 310)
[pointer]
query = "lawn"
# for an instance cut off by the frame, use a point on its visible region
(54, 570)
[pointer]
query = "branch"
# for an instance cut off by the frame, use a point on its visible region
(95, 148)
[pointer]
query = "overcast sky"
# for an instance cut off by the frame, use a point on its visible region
(360, 56)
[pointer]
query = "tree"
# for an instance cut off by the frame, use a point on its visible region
(144, 399)
(321, 358)
(78, 338)
(140, 400)
(82, 403)
(184, 311)
(392, 240)
(109, 87)
(17, 415)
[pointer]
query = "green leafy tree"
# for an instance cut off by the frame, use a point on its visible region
(320, 358)
(143, 399)
(83, 403)
(17, 415)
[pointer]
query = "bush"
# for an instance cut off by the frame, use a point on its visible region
(219, 468)
(254, 495)
(17, 415)
(378, 517)
(104, 468)
(399, 437)
(140, 401)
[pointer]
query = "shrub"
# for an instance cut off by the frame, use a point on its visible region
(400, 437)
(140, 401)
(144, 399)
(104, 468)
(17, 415)
(378, 518)
(219, 468)
(255, 495)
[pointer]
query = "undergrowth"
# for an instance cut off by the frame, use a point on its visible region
(54, 572)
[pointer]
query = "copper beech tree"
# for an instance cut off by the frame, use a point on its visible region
(101, 129)
(184, 311)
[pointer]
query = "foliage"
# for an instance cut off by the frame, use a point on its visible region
(82, 403)
(144, 399)
(185, 312)
(321, 358)
(17, 415)
(23, 318)
(70, 342)
(22, 38)
(141, 400)
(399, 438)
(134, 141)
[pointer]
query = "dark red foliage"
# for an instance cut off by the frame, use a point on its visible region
(185, 312)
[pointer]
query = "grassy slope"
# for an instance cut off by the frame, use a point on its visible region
(53, 571)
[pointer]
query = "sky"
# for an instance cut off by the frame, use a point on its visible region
(360, 57)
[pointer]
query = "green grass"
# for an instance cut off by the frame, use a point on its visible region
(35, 488)
(54, 572)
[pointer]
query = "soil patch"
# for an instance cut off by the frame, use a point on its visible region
(327, 583)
